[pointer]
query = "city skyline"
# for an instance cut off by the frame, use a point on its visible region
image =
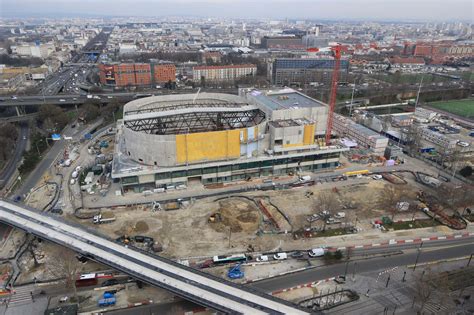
(373, 10)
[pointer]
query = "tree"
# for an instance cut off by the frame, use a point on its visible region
(110, 108)
(412, 137)
(90, 111)
(466, 171)
(8, 130)
(326, 203)
(455, 196)
(431, 286)
(388, 198)
(52, 117)
(64, 265)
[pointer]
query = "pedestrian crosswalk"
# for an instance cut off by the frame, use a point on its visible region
(432, 307)
(20, 296)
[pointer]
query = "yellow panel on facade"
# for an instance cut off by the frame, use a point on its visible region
(308, 137)
(208, 146)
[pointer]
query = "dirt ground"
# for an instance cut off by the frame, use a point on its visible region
(45, 252)
(41, 197)
(238, 215)
(187, 232)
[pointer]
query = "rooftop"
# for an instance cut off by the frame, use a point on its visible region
(289, 123)
(285, 99)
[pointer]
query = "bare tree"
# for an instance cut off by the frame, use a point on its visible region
(388, 198)
(63, 264)
(412, 137)
(455, 196)
(431, 286)
(326, 203)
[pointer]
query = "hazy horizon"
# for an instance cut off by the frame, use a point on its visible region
(390, 10)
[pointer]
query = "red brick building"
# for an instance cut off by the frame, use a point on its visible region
(164, 72)
(135, 74)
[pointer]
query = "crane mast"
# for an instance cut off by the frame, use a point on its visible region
(337, 51)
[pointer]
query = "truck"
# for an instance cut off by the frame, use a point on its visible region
(100, 219)
(89, 96)
(108, 299)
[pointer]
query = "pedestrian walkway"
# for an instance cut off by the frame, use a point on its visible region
(21, 295)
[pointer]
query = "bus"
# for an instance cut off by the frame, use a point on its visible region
(355, 173)
(229, 259)
(86, 280)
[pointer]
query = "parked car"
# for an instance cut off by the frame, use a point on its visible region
(316, 252)
(262, 258)
(377, 177)
(280, 256)
(109, 282)
(313, 217)
(340, 215)
(297, 254)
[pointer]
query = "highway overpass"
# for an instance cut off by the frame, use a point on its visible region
(190, 284)
(78, 99)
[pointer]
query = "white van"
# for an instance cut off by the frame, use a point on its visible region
(305, 178)
(262, 258)
(280, 256)
(316, 252)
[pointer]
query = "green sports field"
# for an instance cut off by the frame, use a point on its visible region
(464, 108)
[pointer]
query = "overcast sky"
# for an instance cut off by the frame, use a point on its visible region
(433, 10)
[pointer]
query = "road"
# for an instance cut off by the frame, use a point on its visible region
(429, 252)
(79, 99)
(12, 163)
(47, 161)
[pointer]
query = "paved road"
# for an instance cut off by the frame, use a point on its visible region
(453, 249)
(48, 160)
(12, 164)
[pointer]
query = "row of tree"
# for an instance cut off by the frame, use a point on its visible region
(8, 135)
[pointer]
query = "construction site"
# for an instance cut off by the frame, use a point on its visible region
(246, 188)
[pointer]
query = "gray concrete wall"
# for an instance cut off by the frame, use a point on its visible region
(150, 148)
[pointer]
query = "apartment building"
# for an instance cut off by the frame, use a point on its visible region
(223, 73)
(136, 74)
(288, 71)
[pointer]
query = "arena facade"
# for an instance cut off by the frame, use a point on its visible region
(169, 141)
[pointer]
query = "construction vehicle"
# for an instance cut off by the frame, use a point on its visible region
(100, 219)
(215, 217)
(107, 300)
(235, 272)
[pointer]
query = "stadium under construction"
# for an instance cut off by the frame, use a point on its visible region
(169, 141)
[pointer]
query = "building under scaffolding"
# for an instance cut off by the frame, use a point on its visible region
(167, 141)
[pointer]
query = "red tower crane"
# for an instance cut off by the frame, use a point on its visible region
(337, 52)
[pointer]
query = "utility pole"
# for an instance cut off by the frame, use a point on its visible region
(345, 270)
(388, 280)
(354, 272)
(352, 99)
(418, 256)
(418, 94)
(416, 261)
